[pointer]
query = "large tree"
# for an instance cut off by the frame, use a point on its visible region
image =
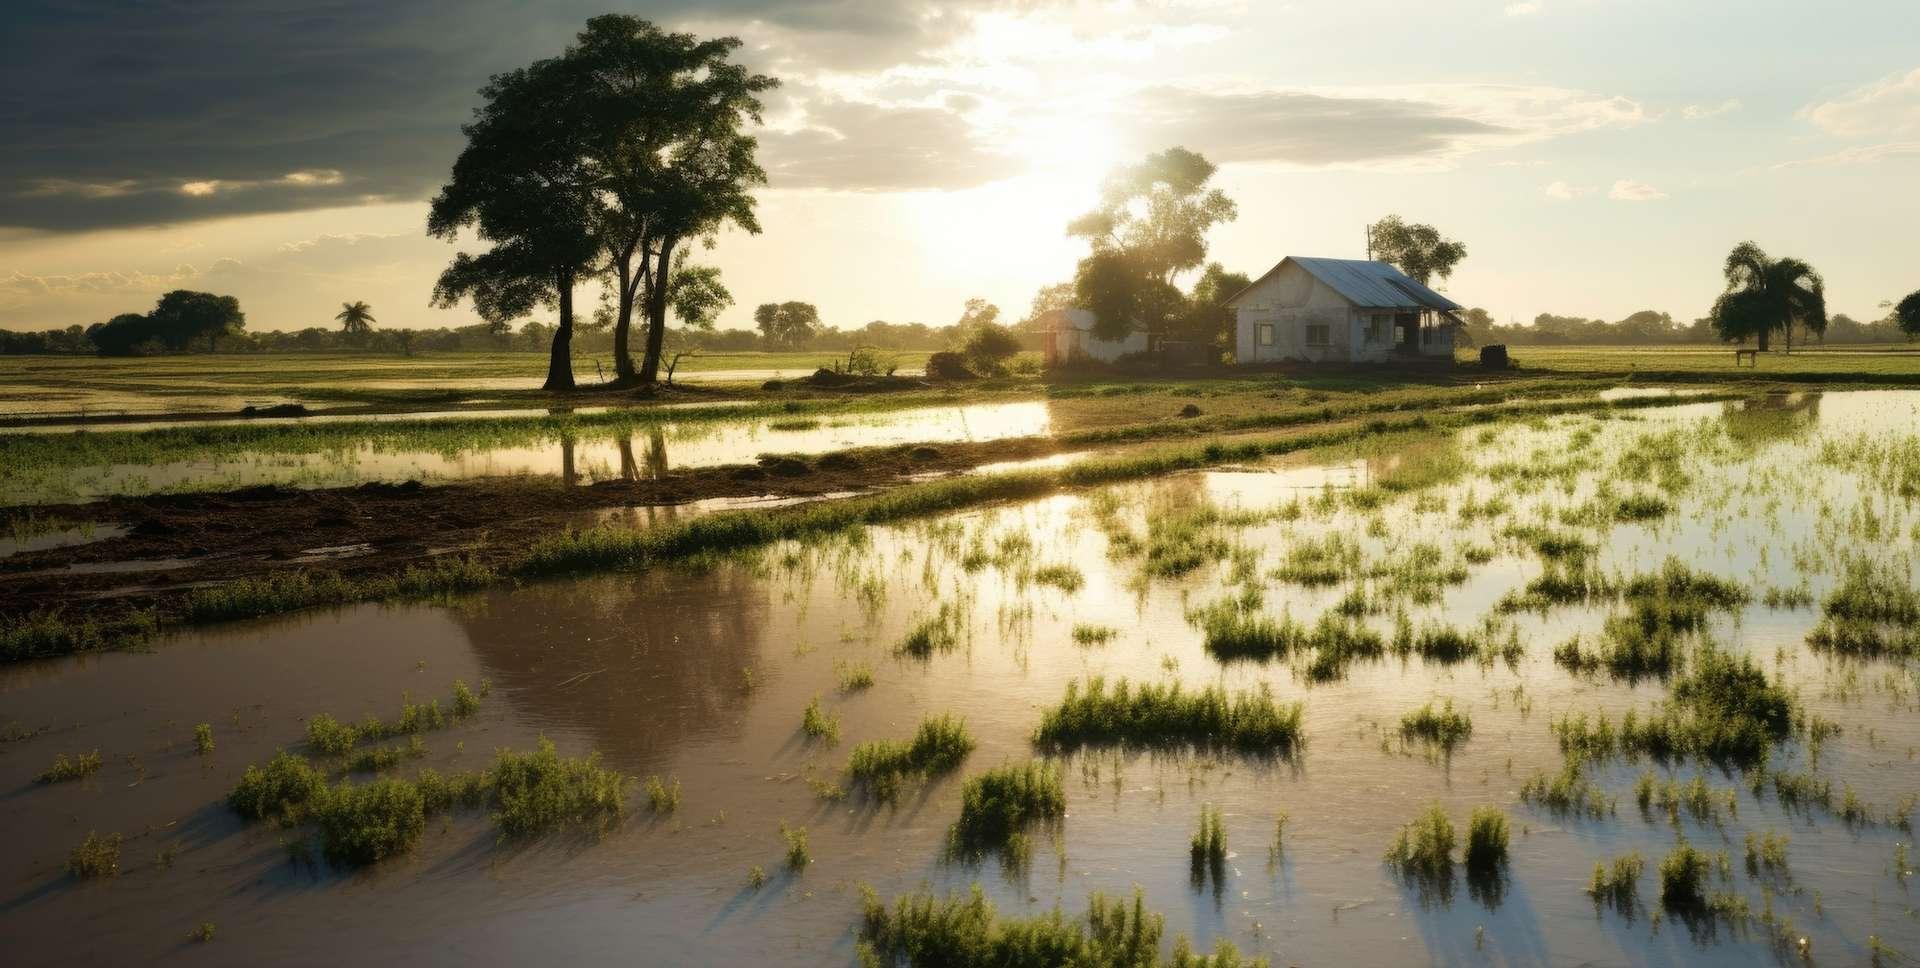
(664, 117)
(1766, 295)
(523, 184)
(1418, 250)
(1209, 321)
(1906, 314)
(183, 316)
(788, 324)
(1151, 225)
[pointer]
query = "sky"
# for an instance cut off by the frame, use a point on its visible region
(1598, 157)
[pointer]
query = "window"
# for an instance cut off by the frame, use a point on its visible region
(1263, 334)
(1376, 330)
(1319, 334)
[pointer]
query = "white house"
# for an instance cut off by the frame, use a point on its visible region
(1070, 337)
(1340, 310)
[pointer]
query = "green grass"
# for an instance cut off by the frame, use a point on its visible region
(1486, 840)
(96, 856)
(856, 677)
(817, 723)
(1618, 883)
(798, 857)
(935, 634)
(1568, 793)
(1086, 634)
(328, 736)
(1166, 715)
(1424, 847)
(1210, 838)
(201, 933)
(1684, 874)
(1442, 727)
(1724, 710)
(1767, 854)
(663, 796)
(67, 768)
(938, 746)
(203, 739)
(378, 758)
(997, 806)
(964, 930)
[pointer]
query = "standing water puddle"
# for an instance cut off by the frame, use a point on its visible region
(399, 451)
(700, 676)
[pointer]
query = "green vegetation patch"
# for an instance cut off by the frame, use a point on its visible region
(1166, 715)
(997, 806)
(964, 930)
(937, 746)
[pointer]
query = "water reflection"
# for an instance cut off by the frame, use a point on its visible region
(639, 665)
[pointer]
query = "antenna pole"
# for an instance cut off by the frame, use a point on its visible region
(1369, 231)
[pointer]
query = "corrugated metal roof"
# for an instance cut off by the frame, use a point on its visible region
(1373, 285)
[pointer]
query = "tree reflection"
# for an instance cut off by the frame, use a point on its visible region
(641, 664)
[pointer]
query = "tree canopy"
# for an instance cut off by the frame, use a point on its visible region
(1766, 295)
(1906, 314)
(356, 318)
(1151, 225)
(1418, 250)
(788, 324)
(179, 319)
(522, 184)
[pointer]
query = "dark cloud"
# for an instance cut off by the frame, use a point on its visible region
(863, 147)
(109, 107)
(1300, 128)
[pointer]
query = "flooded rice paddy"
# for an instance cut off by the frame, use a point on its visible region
(583, 452)
(1703, 567)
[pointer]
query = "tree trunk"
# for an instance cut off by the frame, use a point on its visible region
(1763, 340)
(560, 360)
(657, 314)
(623, 323)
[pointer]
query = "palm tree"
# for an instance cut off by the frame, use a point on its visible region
(1764, 295)
(356, 319)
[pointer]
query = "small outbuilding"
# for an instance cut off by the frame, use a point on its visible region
(1341, 310)
(1070, 339)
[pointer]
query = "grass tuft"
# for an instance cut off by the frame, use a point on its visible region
(1168, 716)
(996, 806)
(937, 746)
(96, 856)
(68, 768)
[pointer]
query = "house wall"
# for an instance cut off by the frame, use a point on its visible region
(1072, 339)
(1291, 300)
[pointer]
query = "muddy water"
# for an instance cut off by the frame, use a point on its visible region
(582, 457)
(702, 676)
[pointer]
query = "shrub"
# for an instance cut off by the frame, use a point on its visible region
(540, 791)
(1486, 840)
(1425, 845)
(937, 746)
(1683, 876)
(997, 805)
(1442, 727)
(66, 768)
(96, 856)
(369, 822)
(282, 789)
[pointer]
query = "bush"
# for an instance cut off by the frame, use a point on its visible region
(282, 788)
(988, 347)
(949, 366)
(1494, 357)
(371, 822)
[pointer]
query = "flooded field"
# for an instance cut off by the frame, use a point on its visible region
(1684, 633)
(160, 460)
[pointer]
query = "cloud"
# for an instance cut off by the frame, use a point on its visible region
(132, 114)
(1565, 192)
(1889, 106)
(1522, 9)
(855, 146)
(1858, 155)
(1628, 190)
(1701, 112)
(1429, 126)
(20, 288)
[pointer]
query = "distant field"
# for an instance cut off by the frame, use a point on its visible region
(1869, 360)
(75, 384)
